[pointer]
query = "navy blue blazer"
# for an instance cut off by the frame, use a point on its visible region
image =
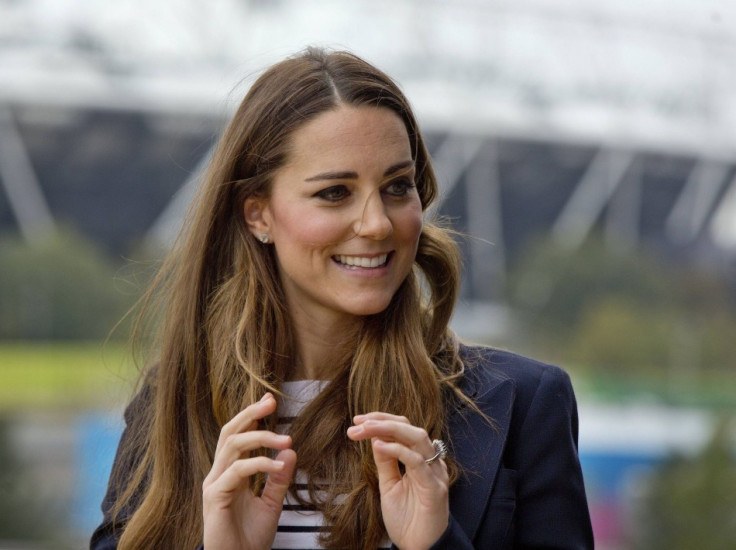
(521, 485)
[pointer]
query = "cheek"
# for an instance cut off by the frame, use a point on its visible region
(300, 227)
(411, 223)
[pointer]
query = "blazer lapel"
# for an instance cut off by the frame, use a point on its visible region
(478, 447)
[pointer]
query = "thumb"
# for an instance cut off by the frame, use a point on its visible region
(278, 482)
(387, 465)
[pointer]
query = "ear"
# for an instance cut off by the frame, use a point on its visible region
(255, 210)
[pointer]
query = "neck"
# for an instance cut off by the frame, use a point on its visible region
(322, 346)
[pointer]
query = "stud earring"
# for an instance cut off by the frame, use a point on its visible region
(265, 238)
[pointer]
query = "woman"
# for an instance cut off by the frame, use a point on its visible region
(307, 377)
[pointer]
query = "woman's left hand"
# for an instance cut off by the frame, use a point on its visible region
(415, 505)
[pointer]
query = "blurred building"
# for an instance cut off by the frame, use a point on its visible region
(544, 117)
(557, 118)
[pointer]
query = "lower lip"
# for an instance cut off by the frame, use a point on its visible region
(365, 271)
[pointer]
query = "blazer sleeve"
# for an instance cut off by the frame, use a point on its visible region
(107, 535)
(454, 538)
(551, 508)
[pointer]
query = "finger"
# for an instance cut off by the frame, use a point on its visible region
(378, 415)
(237, 476)
(278, 482)
(248, 418)
(392, 430)
(391, 450)
(240, 445)
(386, 452)
(387, 465)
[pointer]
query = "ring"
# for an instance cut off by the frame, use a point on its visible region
(440, 451)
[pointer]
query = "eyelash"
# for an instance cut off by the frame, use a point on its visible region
(406, 183)
(329, 193)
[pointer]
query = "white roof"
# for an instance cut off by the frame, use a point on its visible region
(629, 73)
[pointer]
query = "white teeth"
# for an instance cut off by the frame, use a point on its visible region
(361, 261)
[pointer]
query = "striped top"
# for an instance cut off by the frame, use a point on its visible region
(299, 525)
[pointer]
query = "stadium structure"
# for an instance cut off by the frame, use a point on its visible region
(544, 117)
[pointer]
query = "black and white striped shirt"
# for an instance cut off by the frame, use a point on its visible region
(299, 525)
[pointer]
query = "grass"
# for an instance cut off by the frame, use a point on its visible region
(52, 375)
(83, 375)
(708, 389)
(712, 390)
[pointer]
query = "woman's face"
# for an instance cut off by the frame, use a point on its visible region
(343, 214)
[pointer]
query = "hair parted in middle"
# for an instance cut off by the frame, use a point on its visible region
(226, 335)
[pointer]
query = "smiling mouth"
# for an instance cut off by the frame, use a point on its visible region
(358, 262)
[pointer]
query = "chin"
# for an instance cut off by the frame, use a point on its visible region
(372, 307)
(367, 312)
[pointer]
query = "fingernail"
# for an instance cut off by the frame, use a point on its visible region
(265, 396)
(278, 463)
(359, 417)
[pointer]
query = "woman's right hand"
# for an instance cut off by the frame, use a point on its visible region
(234, 518)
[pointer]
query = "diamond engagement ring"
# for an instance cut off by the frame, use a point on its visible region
(440, 451)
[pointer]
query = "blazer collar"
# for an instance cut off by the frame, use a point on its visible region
(477, 446)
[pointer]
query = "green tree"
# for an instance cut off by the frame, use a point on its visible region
(624, 312)
(555, 286)
(691, 502)
(59, 288)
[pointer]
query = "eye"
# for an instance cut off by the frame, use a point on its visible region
(333, 194)
(400, 187)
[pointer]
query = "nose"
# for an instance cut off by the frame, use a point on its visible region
(374, 222)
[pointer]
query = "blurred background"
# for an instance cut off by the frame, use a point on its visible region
(588, 149)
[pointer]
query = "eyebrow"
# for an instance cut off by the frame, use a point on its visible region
(348, 175)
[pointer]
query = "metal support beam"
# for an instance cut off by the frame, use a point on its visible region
(164, 230)
(486, 246)
(17, 176)
(696, 201)
(600, 181)
(723, 222)
(452, 159)
(624, 212)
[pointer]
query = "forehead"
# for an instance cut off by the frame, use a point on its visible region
(350, 132)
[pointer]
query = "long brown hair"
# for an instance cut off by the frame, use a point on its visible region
(225, 332)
